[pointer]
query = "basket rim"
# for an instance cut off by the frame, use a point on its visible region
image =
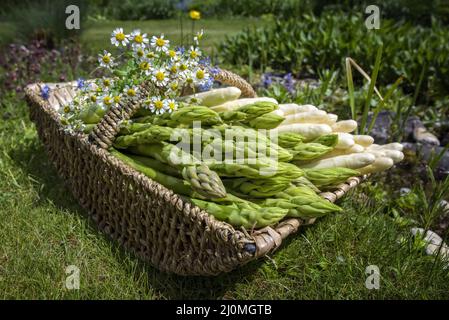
(252, 244)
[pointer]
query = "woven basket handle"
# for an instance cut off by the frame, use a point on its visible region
(105, 131)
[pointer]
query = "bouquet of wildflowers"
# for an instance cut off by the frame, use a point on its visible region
(168, 72)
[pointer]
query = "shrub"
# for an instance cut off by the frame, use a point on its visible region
(43, 20)
(139, 9)
(309, 43)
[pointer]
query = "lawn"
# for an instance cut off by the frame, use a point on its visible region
(96, 37)
(43, 230)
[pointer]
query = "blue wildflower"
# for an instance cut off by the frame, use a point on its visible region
(214, 70)
(180, 49)
(206, 85)
(266, 80)
(80, 83)
(45, 92)
(205, 61)
(288, 82)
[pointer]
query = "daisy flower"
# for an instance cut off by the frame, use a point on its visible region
(145, 67)
(173, 68)
(158, 105)
(106, 83)
(194, 53)
(67, 109)
(172, 105)
(160, 77)
(150, 55)
(200, 75)
(174, 85)
(173, 55)
(139, 39)
(188, 78)
(106, 60)
(139, 52)
(106, 101)
(118, 37)
(116, 99)
(160, 44)
(130, 91)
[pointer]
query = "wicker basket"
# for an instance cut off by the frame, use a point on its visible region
(141, 215)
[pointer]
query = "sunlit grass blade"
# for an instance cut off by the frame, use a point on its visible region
(350, 88)
(383, 102)
(372, 85)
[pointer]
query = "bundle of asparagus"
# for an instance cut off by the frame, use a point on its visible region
(238, 173)
(250, 162)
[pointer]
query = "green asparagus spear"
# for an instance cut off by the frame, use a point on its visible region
(329, 140)
(302, 202)
(329, 176)
(309, 151)
(177, 185)
(289, 139)
(203, 180)
(266, 121)
(153, 134)
(243, 214)
(256, 188)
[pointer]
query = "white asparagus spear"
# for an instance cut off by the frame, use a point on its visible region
(344, 126)
(232, 105)
(380, 164)
(340, 152)
(363, 140)
(309, 131)
(345, 141)
(390, 146)
(351, 161)
(316, 116)
(292, 108)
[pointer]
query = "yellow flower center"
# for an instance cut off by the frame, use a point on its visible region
(174, 69)
(160, 76)
(106, 82)
(66, 109)
(106, 59)
(120, 36)
(200, 74)
(93, 98)
(138, 38)
(144, 65)
(183, 67)
(131, 92)
(172, 53)
(140, 53)
(158, 104)
(117, 99)
(193, 54)
(172, 105)
(107, 100)
(160, 42)
(174, 85)
(189, 80)
(150, 55)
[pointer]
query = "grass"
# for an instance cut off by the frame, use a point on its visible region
(97, 34)
(43, 230)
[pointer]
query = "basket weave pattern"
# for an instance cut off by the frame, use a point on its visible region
(143, 216)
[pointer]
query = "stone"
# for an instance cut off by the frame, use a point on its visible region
(434, 243)
(404, 191)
